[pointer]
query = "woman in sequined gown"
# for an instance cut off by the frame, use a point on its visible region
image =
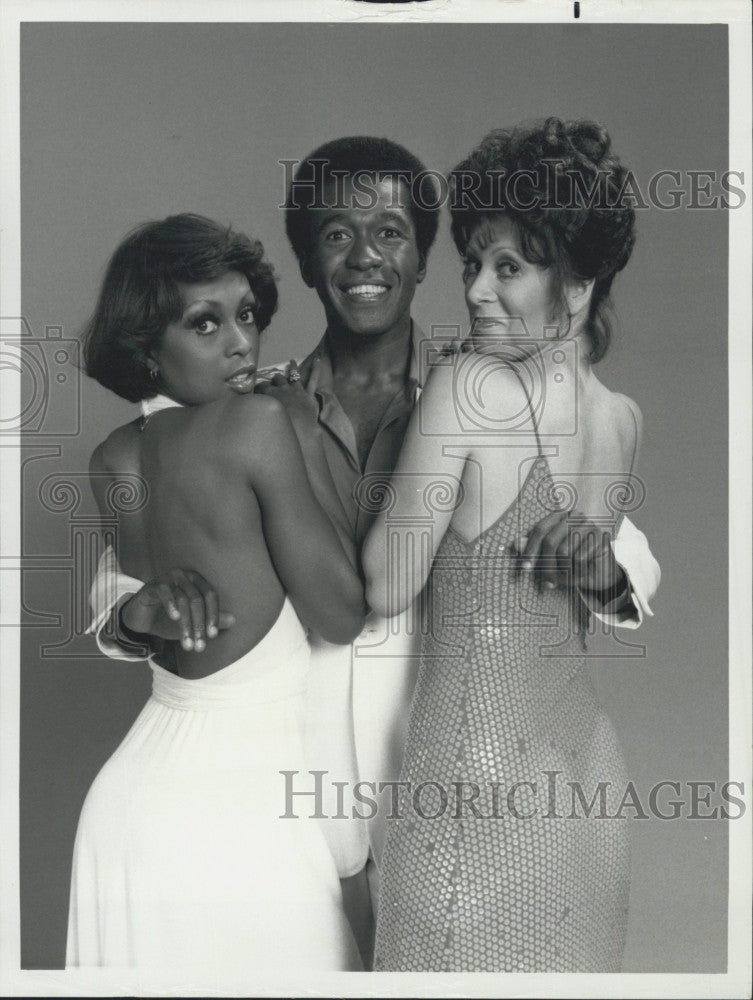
(508, 851)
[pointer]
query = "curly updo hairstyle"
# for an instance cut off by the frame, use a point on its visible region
(140, 295)
(564, 189)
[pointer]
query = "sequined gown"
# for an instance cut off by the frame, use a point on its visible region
(519, 878)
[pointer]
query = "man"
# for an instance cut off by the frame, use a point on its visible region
(362, 241)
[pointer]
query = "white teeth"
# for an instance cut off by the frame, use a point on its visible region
(242, 383)
(367, 290)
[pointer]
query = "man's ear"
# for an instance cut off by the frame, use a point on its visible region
(421, 268)
(305, 266)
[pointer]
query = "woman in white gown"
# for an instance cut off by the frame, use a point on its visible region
(183, 858)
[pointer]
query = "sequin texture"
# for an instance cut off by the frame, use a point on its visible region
(504, 698)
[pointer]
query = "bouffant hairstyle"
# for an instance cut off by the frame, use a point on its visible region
(563, 188)
(367, 156)
(140, 295)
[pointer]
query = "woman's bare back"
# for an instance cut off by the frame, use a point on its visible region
(229, 498)
(201, 513)
(596, 460)
(590, 441)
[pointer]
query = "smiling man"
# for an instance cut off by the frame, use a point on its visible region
(362, 243)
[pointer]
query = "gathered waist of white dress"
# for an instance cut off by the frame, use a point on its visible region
(272, 670)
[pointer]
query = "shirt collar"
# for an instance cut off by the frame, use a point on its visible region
(319, 377)
(157, 403)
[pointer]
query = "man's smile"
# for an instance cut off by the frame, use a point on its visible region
(366, 291)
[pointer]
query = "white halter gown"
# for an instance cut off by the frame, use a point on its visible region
(182, 859)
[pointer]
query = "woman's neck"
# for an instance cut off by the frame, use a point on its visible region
(567, 359)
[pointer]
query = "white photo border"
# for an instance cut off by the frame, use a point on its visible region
(736, 982)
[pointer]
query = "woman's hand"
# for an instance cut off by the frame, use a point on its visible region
(566, 548)
(179, 605)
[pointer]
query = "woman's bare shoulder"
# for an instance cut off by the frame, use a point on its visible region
(486, 391)
(255, 426)
(253, 408)
(116, 453)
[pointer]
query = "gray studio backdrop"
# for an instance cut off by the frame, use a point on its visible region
(123, 123)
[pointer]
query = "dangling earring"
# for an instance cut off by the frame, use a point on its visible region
(154, 374)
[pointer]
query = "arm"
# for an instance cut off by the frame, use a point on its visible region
(109, 591)
(303, 411)
(323, 486)
(632, 553)
(305, 549)
(616, 578)
(398, 551)
(428, 480)
(111, 587)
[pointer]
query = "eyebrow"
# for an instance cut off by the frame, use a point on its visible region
(497, 249)
(400, 214)
(385, 215)
(215, 304)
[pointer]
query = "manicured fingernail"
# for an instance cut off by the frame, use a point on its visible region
(187, 642)
(174, 613)
(526, 564)
(199, 645)
(211, 631)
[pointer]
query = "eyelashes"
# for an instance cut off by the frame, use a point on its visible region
(207, 323)
(513, 267)
(505, 268)
(205, 319)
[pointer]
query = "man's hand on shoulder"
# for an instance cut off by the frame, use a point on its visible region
(301, 406)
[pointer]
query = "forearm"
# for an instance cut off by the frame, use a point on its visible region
(134, 643)
(632, 552)
(614, 603)
(628, 604)
(111, 589)
(325, 491)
